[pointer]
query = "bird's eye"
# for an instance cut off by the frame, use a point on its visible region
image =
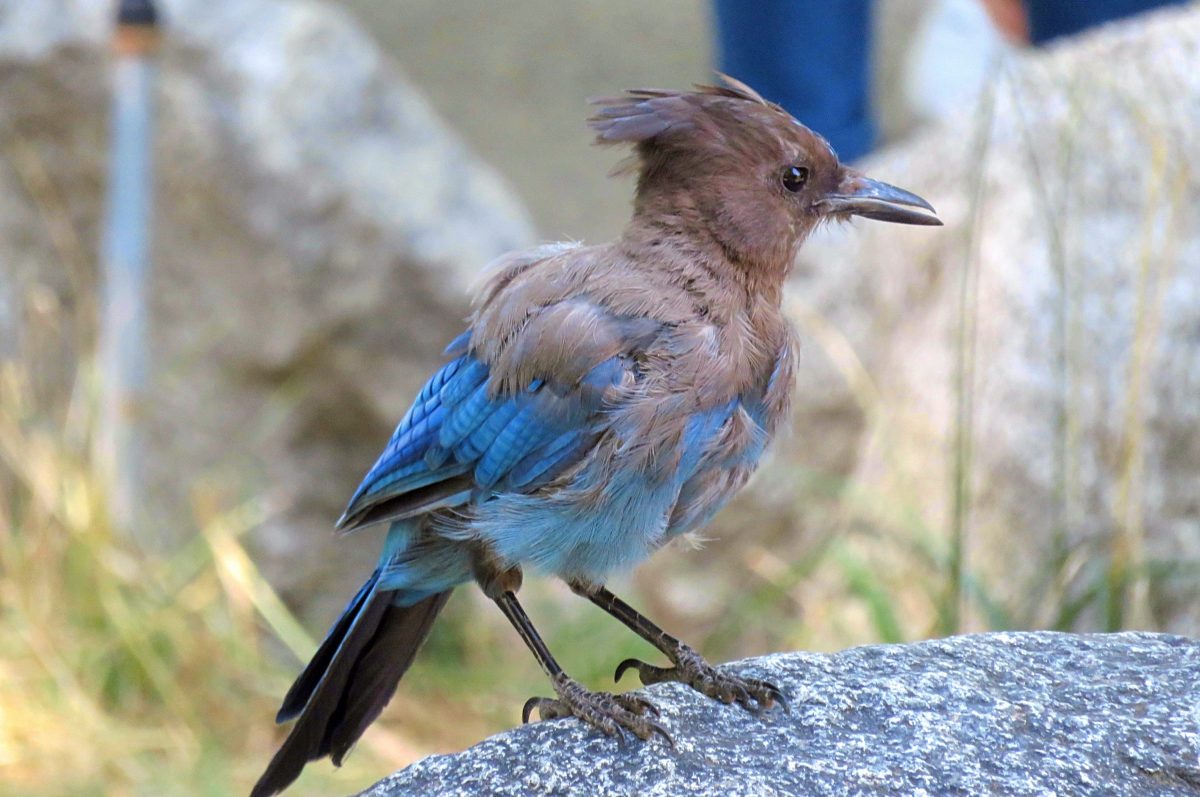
(794, 178)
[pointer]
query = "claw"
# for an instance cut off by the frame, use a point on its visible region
(647, 673)
(637, 705)
(747, 700)
(661, 731)
(640, 706)
(547, 709)
(612, 728)
(623, 666)
(752, 694)
(527, 710)
(772, 693)
(615, 715)
(653, 729)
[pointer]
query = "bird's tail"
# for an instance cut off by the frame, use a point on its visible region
(349, 680)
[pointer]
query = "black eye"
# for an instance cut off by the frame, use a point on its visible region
(794, 178)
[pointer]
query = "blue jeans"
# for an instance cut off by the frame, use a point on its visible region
(1049, 19)
(810, 56)
(813, 56)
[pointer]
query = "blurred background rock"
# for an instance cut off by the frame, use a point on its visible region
(996, 424)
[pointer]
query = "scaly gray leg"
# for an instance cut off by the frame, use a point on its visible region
(611, 713)
(689, 666)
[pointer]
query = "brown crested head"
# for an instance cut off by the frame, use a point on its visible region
(754, 177)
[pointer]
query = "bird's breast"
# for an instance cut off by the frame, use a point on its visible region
(681, 431)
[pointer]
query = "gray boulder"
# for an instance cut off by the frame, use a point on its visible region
(1011, 714)
(316, 229)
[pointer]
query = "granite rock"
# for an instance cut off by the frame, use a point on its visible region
(1017, 714)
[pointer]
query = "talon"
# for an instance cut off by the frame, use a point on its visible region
(768, 695)
(528, 708)
(649, 729)
(612, 728)
(636, 705)
(615, 715)
(624, 666)
(744, 699)
(547, 709)
(655, 728)
(752, 694)
(647, 673)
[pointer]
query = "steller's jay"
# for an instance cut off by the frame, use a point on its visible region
(603, 401)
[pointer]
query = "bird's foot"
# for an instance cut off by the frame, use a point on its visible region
(690, 668)
(613, 714)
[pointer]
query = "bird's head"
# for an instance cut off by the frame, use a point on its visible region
(757, 180)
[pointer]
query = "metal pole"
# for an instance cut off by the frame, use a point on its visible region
(123, 358)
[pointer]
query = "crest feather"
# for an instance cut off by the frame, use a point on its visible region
(658, 115)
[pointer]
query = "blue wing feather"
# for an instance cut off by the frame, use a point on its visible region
(402, 467)
(539, 466)
(523, 432)
(456, 427)
(484, 435)
(463, 418)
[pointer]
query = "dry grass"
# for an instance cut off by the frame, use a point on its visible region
(124, 672)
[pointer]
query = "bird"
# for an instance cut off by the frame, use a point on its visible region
(602, 401)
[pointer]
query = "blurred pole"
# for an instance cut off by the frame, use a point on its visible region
(123, 339)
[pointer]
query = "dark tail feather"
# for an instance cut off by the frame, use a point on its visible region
(348, 682)
(297, 696)
(386, 658)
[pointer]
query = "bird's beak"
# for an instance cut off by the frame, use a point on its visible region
(871, 199)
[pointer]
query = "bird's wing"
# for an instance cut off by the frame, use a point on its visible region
(506, 418)
(403, 481)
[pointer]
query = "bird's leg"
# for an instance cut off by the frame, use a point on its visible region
(611, 713)
(689, 666)
(608, 712)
